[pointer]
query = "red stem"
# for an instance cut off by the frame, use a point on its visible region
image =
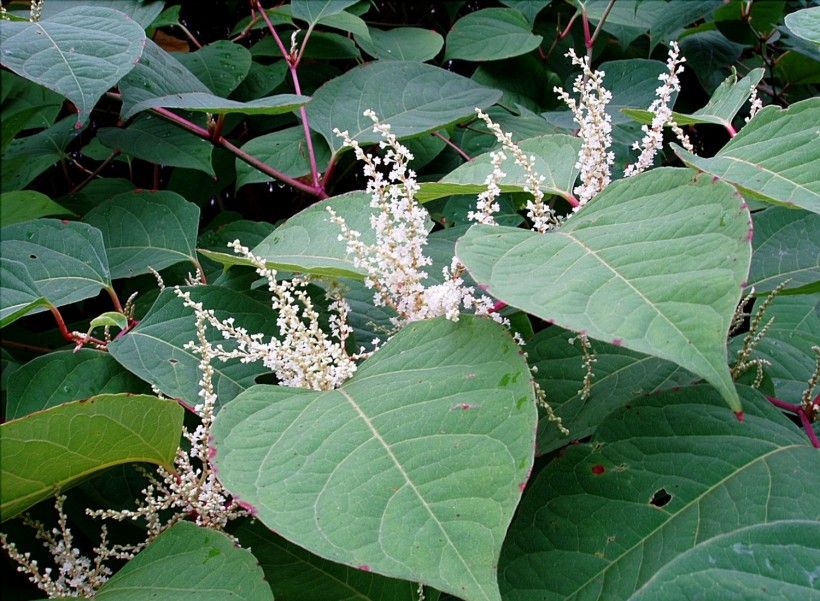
(454, 146)
(565, 33)
(331, 167)
(573, 202)
(783, 404)
(804, 419)
(587, 35)
(67, 334)
(732, 131)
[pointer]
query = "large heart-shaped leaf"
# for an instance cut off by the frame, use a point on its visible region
(64, 376)
(65, 259)
(189, 563)
(775, 158)
(786, 247)
(662, 476)
(655, 263)
(19, 294)
(402, 44)
(55, 449)
(79, 53)
(155, 349)
(146, 229)
(314, 10)
(412, 97)
(412, 469)
(555, 158)
(490, 34)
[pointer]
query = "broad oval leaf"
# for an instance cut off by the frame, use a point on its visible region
(221, 65)
(555, 159)
(490, 34)
(189, 563)
(156, 140)
(65, 259)
(155, 349)
(79, 53)
(805, 24)
(19, 295)
(776, 560)
(202, 102)
(314, 10)
(402, 44)
(52, 450)
(670, 249)
(667, 473)
(25, 205)
(775, 157)
(786, 246)
(141, 12)
(412, 97)
(64, 376)
(143, 230)
(412, 469)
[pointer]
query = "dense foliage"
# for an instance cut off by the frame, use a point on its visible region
(376, 300)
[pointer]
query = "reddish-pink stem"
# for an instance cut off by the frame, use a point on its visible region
(732, 131)
(587, 34)
(498, 306)
(293, 64)
(565, 33)
(573, 202)
(806, 422)
(454, 146)
(783, 404)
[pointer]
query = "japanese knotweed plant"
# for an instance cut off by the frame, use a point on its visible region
(350, 403)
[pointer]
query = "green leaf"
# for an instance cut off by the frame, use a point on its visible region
(528, 8)
(66, 259)
(412, 97)
(19, 295)
(221, 65)
(52, 450)
(296, 575)
(710, 55)
(79, 53)
(110, 319)
(785, 246)
(619, 376)
(402, 44)
(346, 22)
(722, 107)
(672, 249)
(167, 18)
(146, 229)
(154, 350)
(759, 562)
(64, 376)
(155, 140)
(788, 342)
(775, 157)
(208, 103)
(308, 241)
(25, 205)
(284, 150)
(490, 34)
(805, 24)
(25, 105)
(261, 80)
(314, 10)
(26, 158)
(668, 473)
(411, 470)
(555, 158)
(140, 11)
(189, 563)
(328, 46)
(156, 74)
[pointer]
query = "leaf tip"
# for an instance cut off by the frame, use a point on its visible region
(598, 469)
(740, 416)
(364, 567)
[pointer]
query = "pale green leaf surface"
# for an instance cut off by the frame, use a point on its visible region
(775, 157)
(79, 53)
(139, 10)
(155, 140)
(402, 44)
(25, 205)
(146, 229)
(52, 450)
(154, 349)
(65, 259)
(19, 295)
(221, 65)
(555, 158)
(347, 22)
(490, 34)
(412, 97)
(676, 305)
(284, 150)
(777, 560)
(109, 319)
(805, 24)
(667, 473)
(314, 10)
(64, 376)
(786, 246)
(412, 469)
(189, 563)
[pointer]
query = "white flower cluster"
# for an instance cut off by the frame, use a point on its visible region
(486, 205)
(540, 214)
(76, 574)
(662, 115)
(755, 104)
(303, 356)
(589, 112)
(395, 262)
